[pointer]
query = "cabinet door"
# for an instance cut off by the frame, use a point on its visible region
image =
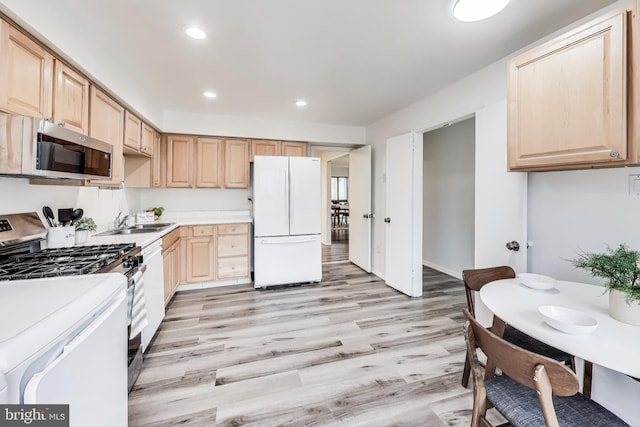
(167, 265)
(200, 252)
(567, 99)
(296, 149)
(175, 268)
(106, 123)
(179, 161)
(71, 99)
(132, 132)
(262, 147)
(146, 139)
(11, 148)
(155, 161)
(208, 163)
(236, 163)
(26, 78)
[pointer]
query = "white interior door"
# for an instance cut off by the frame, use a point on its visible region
(360, 207)
(501, 199)
(403, 217)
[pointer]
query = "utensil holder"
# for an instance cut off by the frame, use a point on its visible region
(59, 237)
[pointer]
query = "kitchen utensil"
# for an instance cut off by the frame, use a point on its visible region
(48, 215)
(64, 216)
(76, 215)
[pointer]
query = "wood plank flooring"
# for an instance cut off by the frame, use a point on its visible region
(349, 351)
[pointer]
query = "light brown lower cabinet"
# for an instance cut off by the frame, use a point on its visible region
(171, 263)
(215, 252)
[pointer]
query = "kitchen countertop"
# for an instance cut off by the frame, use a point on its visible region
(178, 218)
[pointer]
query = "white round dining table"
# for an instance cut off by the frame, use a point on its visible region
(613, 344)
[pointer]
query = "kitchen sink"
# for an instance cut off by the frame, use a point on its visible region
(137, 229)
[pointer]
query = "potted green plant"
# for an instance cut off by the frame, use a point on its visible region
(83, 226)
(619, 268)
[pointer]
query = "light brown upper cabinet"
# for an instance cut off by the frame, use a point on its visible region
(267, 147)
(179, 161)
(26, 74)
(156, 175)
(209, 163)
(296, 149)
(567, 99)
(70, 98)
(236, 163)
(138, 136)
(106, 123)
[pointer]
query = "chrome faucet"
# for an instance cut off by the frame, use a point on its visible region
(119, 223)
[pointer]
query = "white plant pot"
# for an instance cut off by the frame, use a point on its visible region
(81, 236)
(620, 310)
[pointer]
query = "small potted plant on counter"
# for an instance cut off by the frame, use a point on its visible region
(83, 227)
(157, 212)
(619, 267)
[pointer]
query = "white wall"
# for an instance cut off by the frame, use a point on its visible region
(449, 198)
(251, 127)
(573, 211)
(102, 205)
(196, 199)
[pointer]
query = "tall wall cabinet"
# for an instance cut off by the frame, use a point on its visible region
(571, 101)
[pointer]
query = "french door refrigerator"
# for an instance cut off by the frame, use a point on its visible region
(287, 220)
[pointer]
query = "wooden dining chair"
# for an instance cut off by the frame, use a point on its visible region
(474, 280)
(533, 390)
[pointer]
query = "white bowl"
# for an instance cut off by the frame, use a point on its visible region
(568, 320)
(536, 281)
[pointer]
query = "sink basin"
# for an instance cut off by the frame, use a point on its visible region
(137, 229)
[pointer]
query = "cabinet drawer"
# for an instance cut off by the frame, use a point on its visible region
(234, 267)
(233, 229)
(170, 239)
(232, 245)
(202, 230)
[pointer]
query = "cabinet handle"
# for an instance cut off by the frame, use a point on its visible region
(61, 124)
(614, 154)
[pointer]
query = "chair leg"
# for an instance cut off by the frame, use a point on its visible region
(466, 372)
(586, 379)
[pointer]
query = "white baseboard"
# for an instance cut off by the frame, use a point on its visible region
(217, 284)
(456, 274)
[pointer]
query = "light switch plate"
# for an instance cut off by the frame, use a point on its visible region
(634, 185)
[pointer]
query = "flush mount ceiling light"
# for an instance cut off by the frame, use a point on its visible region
(195, 33)
(301, 103)
(477, 10)
(209, 94)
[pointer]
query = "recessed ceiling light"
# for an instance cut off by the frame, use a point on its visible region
(209, 94)
(477, 10)
(195, 32)
(301, 103)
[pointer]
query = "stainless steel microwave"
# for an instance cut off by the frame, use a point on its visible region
(40, 148)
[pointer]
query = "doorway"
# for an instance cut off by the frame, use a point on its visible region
(337, 249)
(449, 197)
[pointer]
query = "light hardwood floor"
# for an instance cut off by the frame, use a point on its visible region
(349, 351)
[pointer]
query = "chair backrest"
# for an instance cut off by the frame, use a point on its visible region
(475, 279)
(520, 364)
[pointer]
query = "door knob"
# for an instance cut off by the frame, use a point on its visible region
(387, 220)
(513, 246)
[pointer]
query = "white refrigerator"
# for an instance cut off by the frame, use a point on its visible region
(286, 220)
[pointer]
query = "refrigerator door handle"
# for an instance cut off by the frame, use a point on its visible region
(287, 198)
(292, 200)
(282, 242)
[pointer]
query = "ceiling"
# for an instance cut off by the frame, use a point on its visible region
(353, 61)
